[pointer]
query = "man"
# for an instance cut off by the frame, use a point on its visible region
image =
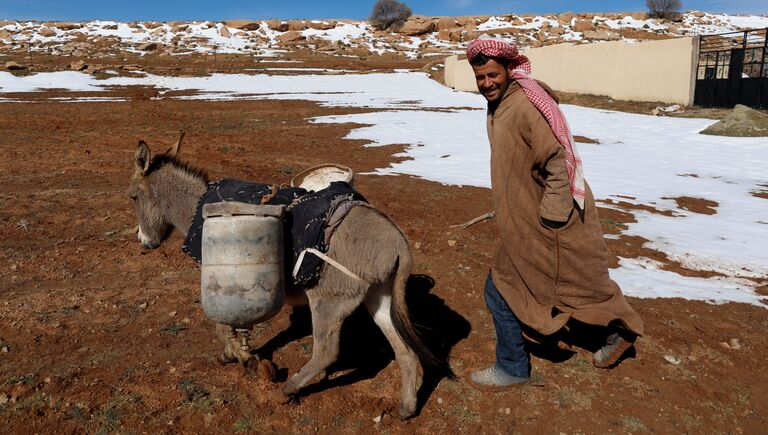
(552, 264)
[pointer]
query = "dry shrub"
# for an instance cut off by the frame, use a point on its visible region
(667, 9)
(388, 14)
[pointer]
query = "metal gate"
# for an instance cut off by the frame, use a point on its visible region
(733, 69)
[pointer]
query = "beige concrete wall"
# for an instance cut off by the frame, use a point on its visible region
(644, 71)
(451, 69)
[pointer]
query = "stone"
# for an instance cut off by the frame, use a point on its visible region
(601, 35)
(565, 17)
(297, 26)
(742, 121)
(583, 26)
(665, 110)
(177, 28)
(69, 26)
(243, 24)
(5, 36)
(450, 35)
(46, 32)
(292, 36)
(641, 16)
(78, 65)
(697, 14)
(507, 31)
(469, 23)
(14, 66)
(148, 46)
(557, 30)
(418, 25)
(152, 24)
(445, 23)
(471, 35)
(444, 35)
(322, 25)
(277, 25)
(224, 31)
(672, 28)
(109, 27)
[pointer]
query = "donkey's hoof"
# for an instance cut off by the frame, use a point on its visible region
(286, 398)
(225, 359)
(266, 370)
(251, 365)
(290, 389)
(406, 412)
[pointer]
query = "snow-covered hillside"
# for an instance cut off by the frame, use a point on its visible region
(420, 36)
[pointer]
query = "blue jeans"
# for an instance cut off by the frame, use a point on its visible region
(511, 355)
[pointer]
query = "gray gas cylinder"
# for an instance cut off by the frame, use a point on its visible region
(242, 280)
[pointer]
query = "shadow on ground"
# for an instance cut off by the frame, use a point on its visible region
(364, 349)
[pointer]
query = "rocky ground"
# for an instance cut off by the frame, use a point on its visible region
(99, 335)
(419, 37)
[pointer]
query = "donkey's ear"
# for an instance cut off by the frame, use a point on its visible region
(143, 157)
(177, 147)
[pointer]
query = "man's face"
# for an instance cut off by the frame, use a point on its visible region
(492, 79)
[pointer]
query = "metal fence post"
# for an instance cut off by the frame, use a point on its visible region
(744, 57)
(762, 72)
(717, 77)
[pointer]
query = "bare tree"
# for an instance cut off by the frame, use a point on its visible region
(388, 14)
(668, 9)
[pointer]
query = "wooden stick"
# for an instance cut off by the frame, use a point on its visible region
(485, 217)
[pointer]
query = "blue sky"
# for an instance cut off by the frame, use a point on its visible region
(166, 10)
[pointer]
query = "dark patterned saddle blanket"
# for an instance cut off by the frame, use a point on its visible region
(308, 222)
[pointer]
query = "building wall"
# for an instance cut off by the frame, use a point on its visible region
(644, 71)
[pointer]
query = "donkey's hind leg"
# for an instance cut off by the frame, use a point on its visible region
(378, 303)
(328, 314)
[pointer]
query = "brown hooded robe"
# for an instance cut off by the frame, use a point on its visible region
(546, 276)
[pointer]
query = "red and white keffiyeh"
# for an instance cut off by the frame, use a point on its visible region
(542, 101)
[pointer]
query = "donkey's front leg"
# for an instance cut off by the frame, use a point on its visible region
(328, 314)
(234, 350)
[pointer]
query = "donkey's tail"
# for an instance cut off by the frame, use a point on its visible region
(402, 320)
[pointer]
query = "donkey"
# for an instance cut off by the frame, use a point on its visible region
(165, 191)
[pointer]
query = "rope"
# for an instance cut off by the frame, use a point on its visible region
(328, 260)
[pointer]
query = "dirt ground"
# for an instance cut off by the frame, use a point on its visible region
(98, 335)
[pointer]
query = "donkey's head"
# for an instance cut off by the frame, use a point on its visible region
(164, 191)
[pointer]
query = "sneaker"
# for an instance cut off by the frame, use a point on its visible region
(615, 346)
(495, 379)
